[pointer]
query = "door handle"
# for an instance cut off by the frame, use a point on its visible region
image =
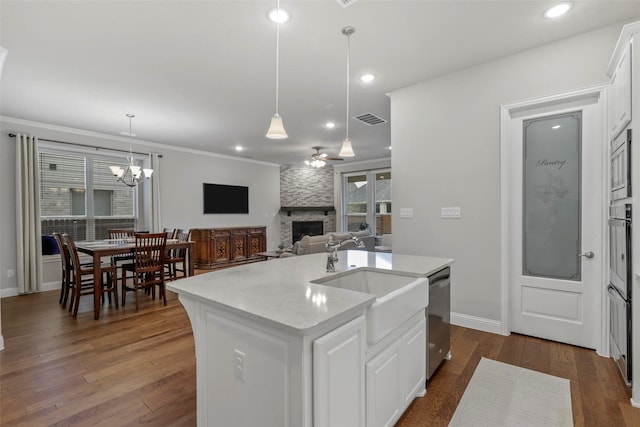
(587, 254)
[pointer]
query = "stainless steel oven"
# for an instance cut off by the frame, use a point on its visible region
(621, 166)
(619, 288)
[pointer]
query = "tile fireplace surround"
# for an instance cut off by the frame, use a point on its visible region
(308, 189)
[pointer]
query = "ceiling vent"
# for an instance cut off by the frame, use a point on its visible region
(345, 3)
(370, 119)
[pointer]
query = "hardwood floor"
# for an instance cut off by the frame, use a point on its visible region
(129, 369)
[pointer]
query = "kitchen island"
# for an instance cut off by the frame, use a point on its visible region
(276, 348)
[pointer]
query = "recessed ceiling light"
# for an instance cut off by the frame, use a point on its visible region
(367, 78)
(558, 10)
(279, 16)
(239, 148)
(389, 148)
(329, 125)
(556, 127)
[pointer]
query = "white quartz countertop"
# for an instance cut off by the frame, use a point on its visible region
(280, 292)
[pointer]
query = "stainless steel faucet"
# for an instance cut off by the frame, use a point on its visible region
(332, 250)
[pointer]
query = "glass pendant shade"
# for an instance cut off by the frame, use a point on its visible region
(347, 149)
(276, 129)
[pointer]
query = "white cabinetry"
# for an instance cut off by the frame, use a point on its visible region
(338, 376)
(396, 375)
(620, 94)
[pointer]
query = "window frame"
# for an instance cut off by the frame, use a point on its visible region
(370, 216)
(139, 192)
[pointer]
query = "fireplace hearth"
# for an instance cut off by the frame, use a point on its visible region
(309, 228)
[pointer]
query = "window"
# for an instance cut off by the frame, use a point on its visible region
(79, 195)
(367, 201)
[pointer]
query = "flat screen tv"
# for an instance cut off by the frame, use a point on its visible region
(225, 199)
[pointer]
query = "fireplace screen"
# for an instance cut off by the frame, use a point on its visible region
(309, 228)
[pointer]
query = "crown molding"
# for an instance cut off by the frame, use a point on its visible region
(12, 121)
(625, 37)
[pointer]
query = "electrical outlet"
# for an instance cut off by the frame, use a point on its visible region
(238, 368)
(11, 273)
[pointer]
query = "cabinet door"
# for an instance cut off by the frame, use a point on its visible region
(384, 387)
(221, 241)
(257, 241)
(620, 94)
(413, 361)
(240, 249)
(338, 376)
(202, 248)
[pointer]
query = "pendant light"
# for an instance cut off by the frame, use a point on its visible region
(276, 129)
(347, 149)
(132, 173)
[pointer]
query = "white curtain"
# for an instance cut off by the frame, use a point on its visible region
(28, 215)
(156, 220)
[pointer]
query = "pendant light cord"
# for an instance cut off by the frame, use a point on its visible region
(348, 31)
(277, 55)
(130, 117)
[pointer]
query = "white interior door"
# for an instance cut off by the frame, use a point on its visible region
(555, 216)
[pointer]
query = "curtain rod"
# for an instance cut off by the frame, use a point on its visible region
(97, 148)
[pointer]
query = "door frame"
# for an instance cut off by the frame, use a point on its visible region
(506, 110)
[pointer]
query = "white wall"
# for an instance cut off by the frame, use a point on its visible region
(182, 174)
(445, 133)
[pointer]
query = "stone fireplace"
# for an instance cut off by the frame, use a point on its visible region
(306, 195)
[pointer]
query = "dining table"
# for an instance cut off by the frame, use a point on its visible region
(97, 249)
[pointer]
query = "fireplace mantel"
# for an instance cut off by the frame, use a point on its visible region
(289, 209)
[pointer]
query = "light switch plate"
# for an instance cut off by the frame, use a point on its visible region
(406, 212)
(450, 212)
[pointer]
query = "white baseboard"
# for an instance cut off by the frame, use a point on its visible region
(479, 323)
(12, 292)
(634, 403)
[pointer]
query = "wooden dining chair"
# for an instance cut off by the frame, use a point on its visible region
(148, 268)
(82, 278)
(67, 269)
(119, 259)
(175, 259)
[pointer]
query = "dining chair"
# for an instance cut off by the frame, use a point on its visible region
(67, 269)
(82, 278)
(175, 259)
(119, 259)
(148, 268)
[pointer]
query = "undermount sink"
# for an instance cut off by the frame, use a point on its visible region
(398, 298)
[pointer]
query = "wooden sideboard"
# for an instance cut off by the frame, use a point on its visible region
(226, 247)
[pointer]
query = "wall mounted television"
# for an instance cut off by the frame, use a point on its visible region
(225, 199)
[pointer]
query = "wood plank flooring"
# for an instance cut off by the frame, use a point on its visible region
(129, 369)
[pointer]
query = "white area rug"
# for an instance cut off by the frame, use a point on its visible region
(505, 395)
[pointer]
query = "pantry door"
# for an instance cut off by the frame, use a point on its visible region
(555, 216)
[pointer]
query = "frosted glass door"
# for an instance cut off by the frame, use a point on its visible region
(552, 197)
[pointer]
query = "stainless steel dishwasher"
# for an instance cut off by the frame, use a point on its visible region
(438, 314)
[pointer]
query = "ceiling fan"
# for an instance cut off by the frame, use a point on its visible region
(319, 159)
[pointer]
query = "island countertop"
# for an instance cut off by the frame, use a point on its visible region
(280, 291)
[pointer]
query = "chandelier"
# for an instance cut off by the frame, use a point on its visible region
(131, 174)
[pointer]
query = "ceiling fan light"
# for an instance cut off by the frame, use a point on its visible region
(276, 129)
(347, 149)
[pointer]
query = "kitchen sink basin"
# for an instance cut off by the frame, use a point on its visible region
(398, 298)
